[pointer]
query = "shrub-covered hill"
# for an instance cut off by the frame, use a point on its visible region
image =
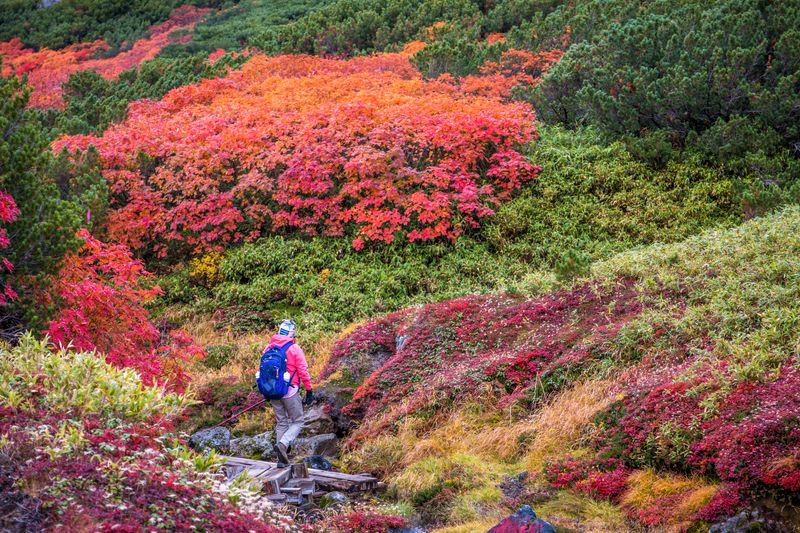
(670, 377)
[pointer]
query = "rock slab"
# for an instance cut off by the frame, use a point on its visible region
(255, 447)
(325, 444)
(217, 439)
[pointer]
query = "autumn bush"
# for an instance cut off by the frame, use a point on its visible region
(422, 161)
(100, 295)
(8, 213)
(363, 522)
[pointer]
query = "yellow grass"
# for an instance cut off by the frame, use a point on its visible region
(482, 525)
(647, 487)
(557, 427)
(593, 515)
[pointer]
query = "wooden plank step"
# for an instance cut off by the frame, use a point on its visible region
(275, 478)
(312, 472)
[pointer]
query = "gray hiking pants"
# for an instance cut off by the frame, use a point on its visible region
(288, 418)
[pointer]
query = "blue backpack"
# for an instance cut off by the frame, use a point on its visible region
(270, 376)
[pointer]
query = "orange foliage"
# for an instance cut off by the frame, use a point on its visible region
(363, 147)
(515, 67)
(48, 69)
(493, 38)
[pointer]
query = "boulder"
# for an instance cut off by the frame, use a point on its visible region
(318, 462)
(318, 421)
(217, 439)
(255, 447)
(333, 499)
(752, 520)
(523, 521)
(325, 444)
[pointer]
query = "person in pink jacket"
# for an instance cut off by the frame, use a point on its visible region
(288, 410)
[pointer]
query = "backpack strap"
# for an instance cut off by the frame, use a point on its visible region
(285, 349)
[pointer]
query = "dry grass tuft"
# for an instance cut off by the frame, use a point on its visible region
(594, 516)
(484, 524)
(676, 498)
(557, 427)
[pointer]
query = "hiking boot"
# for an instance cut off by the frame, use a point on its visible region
(283, 457)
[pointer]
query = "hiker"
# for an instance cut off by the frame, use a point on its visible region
(288, 407)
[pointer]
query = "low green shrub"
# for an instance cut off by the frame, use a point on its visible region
(78, 383)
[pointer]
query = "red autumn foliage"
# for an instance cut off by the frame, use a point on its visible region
(752, 437)
(726, 502)
(48, 69)
(747, 434)
(515, 67)
(598, 478)
(362, 147)
(100, 294)
(455, 347)
(8, 213)
(363, 522)
(122, 479)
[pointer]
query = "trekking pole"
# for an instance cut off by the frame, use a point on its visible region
(237, 415)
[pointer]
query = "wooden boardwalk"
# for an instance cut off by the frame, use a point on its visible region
(297, 484)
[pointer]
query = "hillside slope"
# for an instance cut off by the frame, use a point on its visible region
(683, 355)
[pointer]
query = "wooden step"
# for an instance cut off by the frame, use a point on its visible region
(298, 484)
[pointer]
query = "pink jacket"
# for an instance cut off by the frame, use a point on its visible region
(296, 363)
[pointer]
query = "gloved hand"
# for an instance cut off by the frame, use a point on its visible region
(309, 397)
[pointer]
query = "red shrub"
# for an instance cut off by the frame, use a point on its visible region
(362, 147)
(598, 478)
(756, 434)
(100, 295)
(122, 479)
(726, 502)
(8, 213)
(364, 522)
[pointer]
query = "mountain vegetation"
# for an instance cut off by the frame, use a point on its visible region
(540, 253)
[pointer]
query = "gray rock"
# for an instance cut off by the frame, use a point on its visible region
(318, 421)
(399, 342)
(325, 444)
(318, 462)
(333, 499)
(523, 520)
(749, 521)
(217, 438)
(407, 530)
(256, 446)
